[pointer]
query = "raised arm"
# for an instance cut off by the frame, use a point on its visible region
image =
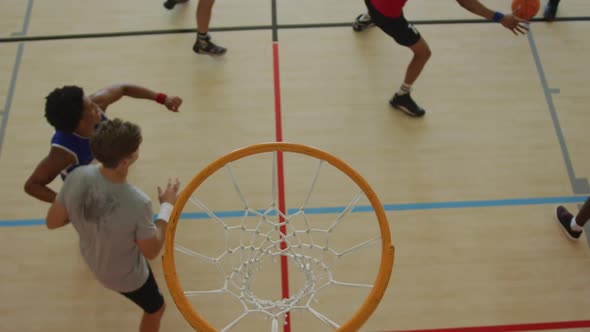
(151, 247)
(111, 94)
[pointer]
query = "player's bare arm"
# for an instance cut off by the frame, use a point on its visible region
(47, 170)
(111, 94)
(509, 21)
(57, 216)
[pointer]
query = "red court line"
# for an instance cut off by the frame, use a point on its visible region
(281, 179)
(511, 328)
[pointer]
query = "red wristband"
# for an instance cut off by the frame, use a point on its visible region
(161, 98)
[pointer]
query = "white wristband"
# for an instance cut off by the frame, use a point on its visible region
(165, 211)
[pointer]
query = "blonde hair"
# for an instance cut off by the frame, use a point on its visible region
(115, 140)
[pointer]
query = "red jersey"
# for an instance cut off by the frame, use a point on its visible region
(389, 8)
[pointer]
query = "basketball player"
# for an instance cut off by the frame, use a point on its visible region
(203, 44)
(113, 219)
(388, 15)
(74, 116)
(573, 226)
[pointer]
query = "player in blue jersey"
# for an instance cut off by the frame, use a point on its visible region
(74, 116)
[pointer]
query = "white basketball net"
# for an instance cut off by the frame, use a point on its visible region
(262, 239)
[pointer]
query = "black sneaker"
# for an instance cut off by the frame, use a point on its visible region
(206, 46)
(564, 218)
(550, 12)
(407, 104)
(362, 22)
(169, 4)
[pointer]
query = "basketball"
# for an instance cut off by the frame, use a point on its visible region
(525, 9)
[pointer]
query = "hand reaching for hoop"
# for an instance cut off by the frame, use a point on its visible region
(170, 193)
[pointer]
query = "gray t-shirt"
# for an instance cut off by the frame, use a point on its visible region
(109, 217)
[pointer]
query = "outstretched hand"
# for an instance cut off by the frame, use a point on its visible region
(515, 24)
(173, 103)
(170, 194)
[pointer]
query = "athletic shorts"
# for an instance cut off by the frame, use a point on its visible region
(403, 32)
(148, 296)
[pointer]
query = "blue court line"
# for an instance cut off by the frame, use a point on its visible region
(366, 208)
(579, 185)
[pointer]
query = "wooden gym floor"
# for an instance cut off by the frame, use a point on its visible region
(469, 189)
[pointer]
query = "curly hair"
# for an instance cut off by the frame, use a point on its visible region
(115, 140)
(64, 107)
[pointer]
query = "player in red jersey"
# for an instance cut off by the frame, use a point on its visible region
(388, 16)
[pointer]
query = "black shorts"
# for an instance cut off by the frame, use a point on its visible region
(403, 32)
(148, 296)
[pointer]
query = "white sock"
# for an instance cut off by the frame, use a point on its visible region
(574, 225)
(365, 18)
(404, 89)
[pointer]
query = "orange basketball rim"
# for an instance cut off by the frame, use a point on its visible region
(387, 249)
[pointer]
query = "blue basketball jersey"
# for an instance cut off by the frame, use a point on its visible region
(76, 145)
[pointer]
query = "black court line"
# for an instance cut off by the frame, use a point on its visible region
(129, 33)
(274, 27)
(274, 21)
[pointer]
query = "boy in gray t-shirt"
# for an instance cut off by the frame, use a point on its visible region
(109, 217)
(114, 219)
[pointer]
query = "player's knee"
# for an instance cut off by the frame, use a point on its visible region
(424, 49)
(422, 54)
(421, 50)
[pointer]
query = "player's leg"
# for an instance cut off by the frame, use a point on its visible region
(150, 299)
(203, 44)
(150, 322)
(407, 35)
(573, 226)
(169, 4)
(551, 10)
(363, 21)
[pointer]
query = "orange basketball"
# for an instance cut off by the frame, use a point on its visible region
(525, 9)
